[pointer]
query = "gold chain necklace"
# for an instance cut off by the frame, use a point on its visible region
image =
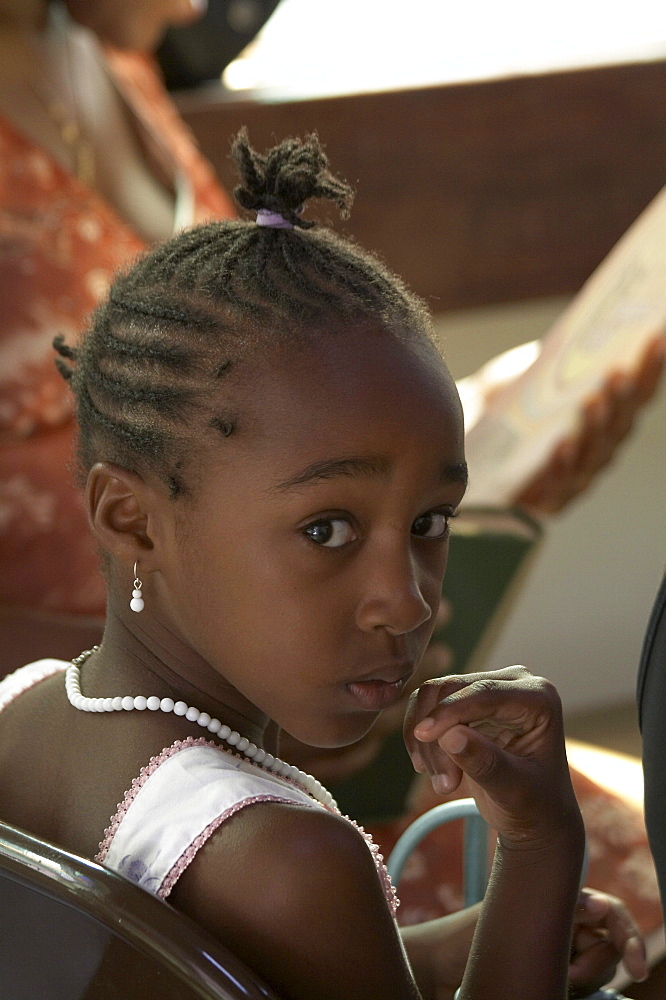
(72, 135)
(78, 145)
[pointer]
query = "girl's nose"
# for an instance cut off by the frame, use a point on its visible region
(392, 597)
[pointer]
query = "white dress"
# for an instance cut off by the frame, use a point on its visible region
(179, 799)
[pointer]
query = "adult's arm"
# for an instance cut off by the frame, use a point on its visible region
(651, 695)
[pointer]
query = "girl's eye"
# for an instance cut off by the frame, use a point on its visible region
(434, 524)
(332, 532)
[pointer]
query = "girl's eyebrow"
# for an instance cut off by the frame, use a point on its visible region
(370, 466)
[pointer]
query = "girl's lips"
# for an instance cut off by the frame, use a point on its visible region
(375, 695)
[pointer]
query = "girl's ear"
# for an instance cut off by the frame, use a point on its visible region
(124, 513)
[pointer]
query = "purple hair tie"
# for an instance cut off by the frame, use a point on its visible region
(272, 219)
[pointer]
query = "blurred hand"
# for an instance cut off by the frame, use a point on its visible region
(605, 421)
(604, 934)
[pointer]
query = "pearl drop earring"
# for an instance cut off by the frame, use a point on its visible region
(136, 604)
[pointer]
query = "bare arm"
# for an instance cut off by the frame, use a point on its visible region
(294, 893)
(504, 731)
(438, 951)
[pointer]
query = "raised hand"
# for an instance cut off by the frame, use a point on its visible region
(504, 731)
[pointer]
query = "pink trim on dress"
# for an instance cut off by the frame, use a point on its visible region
(188, 855)
(139, 781)
(390, 890)
(182, 863)
(154, 763)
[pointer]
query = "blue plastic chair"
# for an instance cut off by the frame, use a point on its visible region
(475, 855)
(475, 845)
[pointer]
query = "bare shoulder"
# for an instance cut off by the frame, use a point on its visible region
(281, 884)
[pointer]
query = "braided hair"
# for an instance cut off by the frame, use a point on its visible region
(148, 376)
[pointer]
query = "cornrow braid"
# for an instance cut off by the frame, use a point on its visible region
(65, 351)
(152, 373)
(169, 355)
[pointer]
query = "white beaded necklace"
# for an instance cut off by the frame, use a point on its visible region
(237, 743)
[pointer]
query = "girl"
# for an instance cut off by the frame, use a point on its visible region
(273, 452)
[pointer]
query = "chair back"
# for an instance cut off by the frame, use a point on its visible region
(73, 930)
(475, 845)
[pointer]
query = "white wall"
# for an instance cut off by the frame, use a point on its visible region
(581, 617)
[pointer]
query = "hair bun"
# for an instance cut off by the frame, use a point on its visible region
(286, 176)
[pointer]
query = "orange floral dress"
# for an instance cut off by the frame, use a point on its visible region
(60, 243)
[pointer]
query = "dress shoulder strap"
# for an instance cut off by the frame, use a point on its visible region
(177, 802)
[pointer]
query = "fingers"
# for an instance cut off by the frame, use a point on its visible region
(502, 731)
(599, 911)
(504, 704)
(552, 487)
(459, 753)
(431, 759)
(489, 727)
(464, 752)
(635, 959)
(605, 420)
(593, 964)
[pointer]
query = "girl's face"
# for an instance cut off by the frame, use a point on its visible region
(134, 24)
(307, 570)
